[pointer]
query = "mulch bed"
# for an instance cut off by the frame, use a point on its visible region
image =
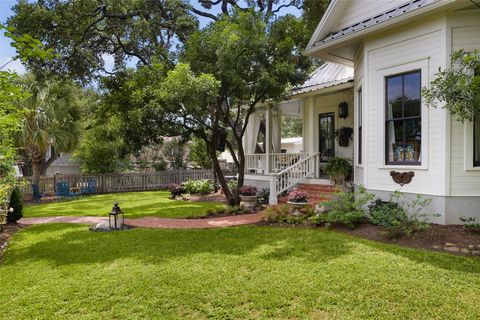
(442, 238)
(6, 232)
(212, 197)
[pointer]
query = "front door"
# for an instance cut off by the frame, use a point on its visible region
(326, 129)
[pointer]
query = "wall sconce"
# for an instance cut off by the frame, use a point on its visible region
(343, 110)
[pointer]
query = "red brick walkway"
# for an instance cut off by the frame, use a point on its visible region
(154, 222)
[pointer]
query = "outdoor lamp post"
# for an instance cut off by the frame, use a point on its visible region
(115, 217)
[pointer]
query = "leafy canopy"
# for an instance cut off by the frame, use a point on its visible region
(458, 86)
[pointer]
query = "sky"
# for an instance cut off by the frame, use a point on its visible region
(7, 52)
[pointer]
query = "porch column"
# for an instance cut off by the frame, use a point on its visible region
(268, 137)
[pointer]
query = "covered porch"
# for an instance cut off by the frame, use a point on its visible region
(271, 164)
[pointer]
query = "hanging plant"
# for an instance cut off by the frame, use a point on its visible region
(344, 135)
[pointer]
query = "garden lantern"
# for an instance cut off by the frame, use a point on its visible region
(115, 217)
(343, 110)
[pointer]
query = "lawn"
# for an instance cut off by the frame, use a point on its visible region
(60, 271)
(134, 205)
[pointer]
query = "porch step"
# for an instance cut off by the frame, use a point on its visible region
(316, 192)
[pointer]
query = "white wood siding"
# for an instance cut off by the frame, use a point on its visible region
(465, 180)
(419, 46)
(359, 171)
(359, 10)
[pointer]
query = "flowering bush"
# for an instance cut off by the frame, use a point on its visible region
(297, 196)
(176, 190)
(248, 191)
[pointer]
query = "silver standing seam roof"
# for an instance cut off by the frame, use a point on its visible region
(377, 19)
(327, 75)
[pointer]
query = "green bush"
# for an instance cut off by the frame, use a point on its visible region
(409, 217)
(281, 214)
(385, 213)
(198, 186)
(16, 204)
(346, 208)
(470, 224)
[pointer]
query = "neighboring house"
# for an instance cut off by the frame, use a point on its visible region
(395, 48)
(64, 164)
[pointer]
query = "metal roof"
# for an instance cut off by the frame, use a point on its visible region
(377, 19)
(327, 75)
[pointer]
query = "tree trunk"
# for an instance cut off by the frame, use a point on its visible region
(37, 170)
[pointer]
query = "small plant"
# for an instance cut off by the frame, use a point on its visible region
(409, 217)
(346, 208)
(176, 190)
(263, 196)
(248, 191)
(385, 213)
(278, 214)
(16, 205)
(471, 224)
(344, 135)
(297, 196)
(338, 169)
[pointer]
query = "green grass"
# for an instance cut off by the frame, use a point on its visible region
(60, 271)
(134, 205)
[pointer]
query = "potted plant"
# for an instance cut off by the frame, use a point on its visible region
(344, 134)
(297, 200)
(338, 169)
(248, 196)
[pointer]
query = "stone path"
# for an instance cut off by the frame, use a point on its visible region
(154, 222)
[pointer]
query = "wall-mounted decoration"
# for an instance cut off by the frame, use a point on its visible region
(402, 177)
(343, 110)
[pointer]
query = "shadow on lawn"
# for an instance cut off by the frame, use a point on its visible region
(62, 244)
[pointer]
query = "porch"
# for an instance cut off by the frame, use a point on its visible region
(270, 164)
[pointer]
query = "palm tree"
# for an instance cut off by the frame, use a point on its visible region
(51, 120)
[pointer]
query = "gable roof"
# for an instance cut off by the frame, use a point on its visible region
(327, 39)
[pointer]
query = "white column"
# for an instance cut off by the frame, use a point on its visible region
(272, 200)
(268, 137)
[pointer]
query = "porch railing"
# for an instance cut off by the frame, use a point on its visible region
(257, 163)
(290, 176)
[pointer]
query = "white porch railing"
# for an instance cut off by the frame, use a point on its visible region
(290, 176)
(257, 163)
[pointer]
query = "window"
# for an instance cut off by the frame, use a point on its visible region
(403, 125)
(359, 95)
(476, 141)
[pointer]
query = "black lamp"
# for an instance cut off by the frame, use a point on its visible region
(115, 217)
(343, 110)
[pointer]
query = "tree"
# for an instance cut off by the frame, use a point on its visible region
(458, 86)
(291, 127)
(50, 119)
(174, 151)
(199, 153)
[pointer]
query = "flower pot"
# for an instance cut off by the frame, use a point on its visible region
(343, 141)
(297, 206)
(249, 202)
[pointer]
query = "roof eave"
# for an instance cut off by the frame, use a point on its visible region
(324, 51)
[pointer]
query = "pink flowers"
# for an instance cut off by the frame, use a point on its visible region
(248, 191)
(297, 196)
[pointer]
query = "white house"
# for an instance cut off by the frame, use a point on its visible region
(395, 47)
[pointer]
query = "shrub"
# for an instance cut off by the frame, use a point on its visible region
(471, 224)
(410, 216)
(346, 208)
(264, 196)
(198, 186)
(297, 196)
(17, 206)
(160, 165)
(385, 213)
(176, 190)
(248, 191)
(277, 214)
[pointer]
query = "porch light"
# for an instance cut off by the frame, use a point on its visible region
(343, 110)
(115, 217)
